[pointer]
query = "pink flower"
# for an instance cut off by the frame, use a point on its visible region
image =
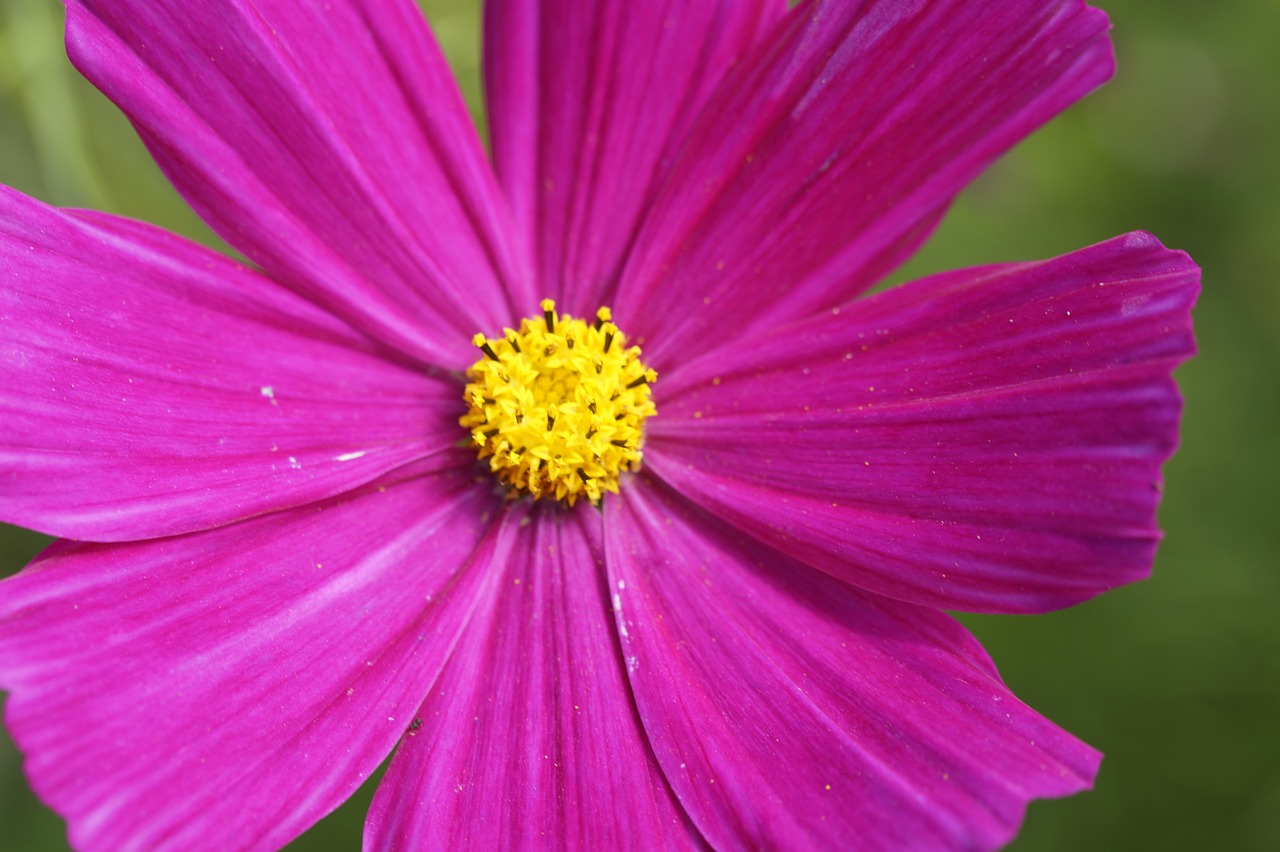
(282, 559)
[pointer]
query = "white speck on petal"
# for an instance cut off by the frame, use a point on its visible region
(294, 463)
(350, 456)
(1132, 305)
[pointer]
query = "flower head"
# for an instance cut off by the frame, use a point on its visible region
(558, 407)
(374, 493)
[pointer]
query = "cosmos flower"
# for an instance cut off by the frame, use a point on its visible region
(582, 480)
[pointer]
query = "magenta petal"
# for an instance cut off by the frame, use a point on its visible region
(985, 439)
(530, 735)
(227, 689)
(150, 387)
(588, 104)
(791, 711)
(328, 143)
(828, 154)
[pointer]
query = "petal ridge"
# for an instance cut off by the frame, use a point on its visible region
(986, 439)
(153, 387)
(791, 710)
(830, 153)
(250, 111)
(276, 657)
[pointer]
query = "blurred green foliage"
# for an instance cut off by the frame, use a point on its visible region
(1176, 679)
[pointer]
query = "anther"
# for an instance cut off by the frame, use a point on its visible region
(479, 340)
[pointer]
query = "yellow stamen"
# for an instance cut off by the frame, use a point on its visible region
(558, 406)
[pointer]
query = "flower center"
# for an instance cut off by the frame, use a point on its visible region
(558, 407)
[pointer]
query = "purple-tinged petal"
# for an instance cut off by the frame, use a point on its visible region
(987, 439)
(588, 104)
(149, 386)
(329, 144)
(227, 689)
(792, 711)
(828, 154)
(530, 734)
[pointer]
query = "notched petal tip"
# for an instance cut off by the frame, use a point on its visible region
(986, 439)
(810, 712)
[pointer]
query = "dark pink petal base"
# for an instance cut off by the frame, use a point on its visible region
(530, 736)
(589, 104)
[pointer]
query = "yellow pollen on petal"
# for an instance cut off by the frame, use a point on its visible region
(557, 407)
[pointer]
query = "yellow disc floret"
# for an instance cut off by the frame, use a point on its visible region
(558, 406)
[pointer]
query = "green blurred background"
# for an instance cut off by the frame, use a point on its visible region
(1177, 679)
